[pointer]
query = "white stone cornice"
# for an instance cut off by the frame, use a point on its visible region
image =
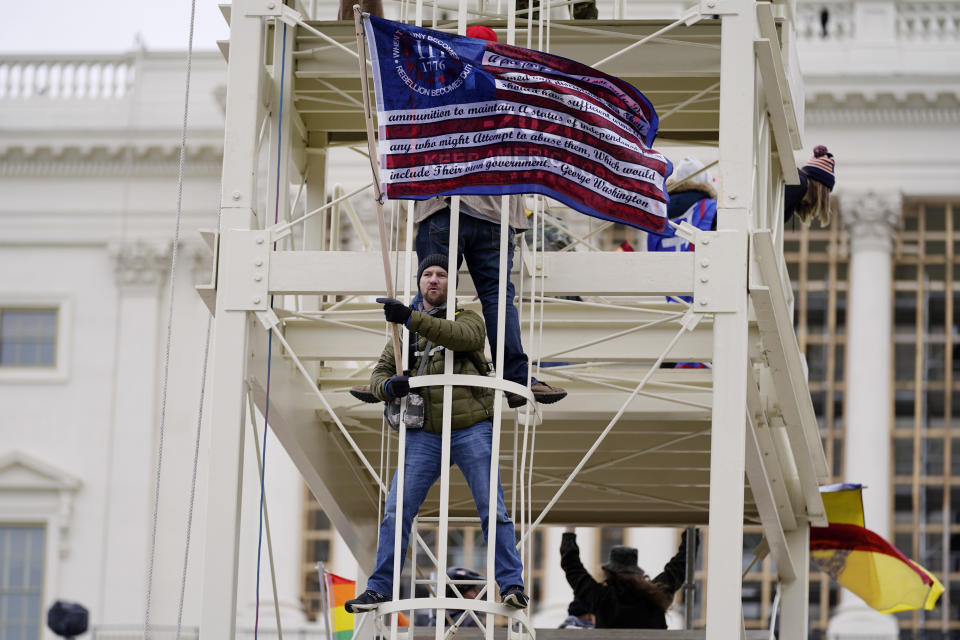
(140, 264)
(97, 159)
(882, 107)
(818, 116)
(872, 218)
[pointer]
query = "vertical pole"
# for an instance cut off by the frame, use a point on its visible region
(728, 442)
(453, 249)
(794, 599)
(690, 584)
(372, 149)
(443, 526)
(228, 356)
(492, 506)
(414, 550)
(278, 180)
(325, 601)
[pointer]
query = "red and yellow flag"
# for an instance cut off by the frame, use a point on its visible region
(863, 562)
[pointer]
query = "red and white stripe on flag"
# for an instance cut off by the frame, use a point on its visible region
(464, 116)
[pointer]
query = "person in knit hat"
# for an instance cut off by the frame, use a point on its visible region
(811, 198)
(478, 244)
(693, 198)
(363, 392)
(470, 435)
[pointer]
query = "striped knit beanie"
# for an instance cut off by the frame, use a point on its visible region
(821, 167)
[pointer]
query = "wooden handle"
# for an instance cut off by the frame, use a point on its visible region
(372, 149)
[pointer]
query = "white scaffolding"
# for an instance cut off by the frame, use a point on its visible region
(633, 443)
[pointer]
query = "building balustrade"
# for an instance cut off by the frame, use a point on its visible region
(90, 77)
(905, 21)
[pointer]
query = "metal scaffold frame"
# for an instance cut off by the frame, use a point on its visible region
(734, 443)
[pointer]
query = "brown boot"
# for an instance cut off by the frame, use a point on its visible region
(542, 393)
(545, 394)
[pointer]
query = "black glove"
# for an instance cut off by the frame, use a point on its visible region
(397, 386)
(568, 542)
(696, 538)
(394, 310)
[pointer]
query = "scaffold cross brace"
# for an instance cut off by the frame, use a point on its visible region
(268, 319)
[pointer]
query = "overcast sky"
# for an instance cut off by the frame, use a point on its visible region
(65, 26)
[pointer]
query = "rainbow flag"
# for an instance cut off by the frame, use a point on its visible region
(339, 590)
(863, 562)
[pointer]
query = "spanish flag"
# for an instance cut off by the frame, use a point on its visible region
(863, 562)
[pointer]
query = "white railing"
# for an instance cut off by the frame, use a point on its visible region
(914, 20)
(832, 20)
(928, 21)
(89, 77)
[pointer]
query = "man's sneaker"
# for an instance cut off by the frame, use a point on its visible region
(367, 601)
(363, 392)
(515, 597)
(542, 393)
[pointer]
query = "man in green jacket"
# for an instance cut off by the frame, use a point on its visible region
(471, 430)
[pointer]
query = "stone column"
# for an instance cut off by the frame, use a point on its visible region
(871, 219)
(140, 270)
(555, 593)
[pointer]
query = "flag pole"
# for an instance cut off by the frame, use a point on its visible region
(372, 148)
(325, 603)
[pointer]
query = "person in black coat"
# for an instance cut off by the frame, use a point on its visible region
(627, 598)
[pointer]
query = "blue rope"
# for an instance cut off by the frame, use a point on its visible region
(266, 410)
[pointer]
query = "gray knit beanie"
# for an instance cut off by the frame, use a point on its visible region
(433, 260)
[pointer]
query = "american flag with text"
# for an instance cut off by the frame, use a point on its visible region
(462, 116)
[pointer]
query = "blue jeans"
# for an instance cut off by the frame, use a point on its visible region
(479, 243)
(469, 450)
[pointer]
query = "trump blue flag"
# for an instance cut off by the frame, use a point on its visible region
(463, 116)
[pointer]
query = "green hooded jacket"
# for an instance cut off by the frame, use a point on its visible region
(466, 336)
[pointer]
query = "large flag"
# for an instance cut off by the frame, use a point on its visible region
(460, 115)
(865, 563)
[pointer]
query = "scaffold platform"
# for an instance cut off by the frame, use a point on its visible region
(734, 444)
